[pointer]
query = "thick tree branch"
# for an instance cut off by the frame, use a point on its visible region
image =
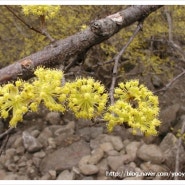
(63, 50)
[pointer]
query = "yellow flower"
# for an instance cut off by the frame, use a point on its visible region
(49, 11)
(48, 89)
(86, 97)
(136, 106)
(12, 98)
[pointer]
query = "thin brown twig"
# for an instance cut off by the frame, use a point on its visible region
(177, 160)
(10, 130)
(117, 58)
(3, 146)
(42, 31)
(171, 42)
(171, 82)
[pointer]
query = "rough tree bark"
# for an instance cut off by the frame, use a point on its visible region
(75, 45)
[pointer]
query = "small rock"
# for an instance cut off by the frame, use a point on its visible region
(32, 172)
(169, 148)
(96, 156)
(66, 175)
(40, 154)
(113, 153)
(35, 133)
(53, 118)
(96, 131)
(10, 153)
(69, 129)
(103, 138)
(151, 153)
(53, 174)
(22, 164)
(30, 143)
(85, 133)
(117, 142)
(68, 157)
(132, 148)
(107, 146)
(11, 166)
(36, 161)
(16, 158)
(47, 176)
(85, 168)
(126, 142)
(116, 161)
(18, 142)
(123, 151)
(44, 135)
(52, 143)
(167, 117)
(20, 150)
(103, 166)
(168, 142)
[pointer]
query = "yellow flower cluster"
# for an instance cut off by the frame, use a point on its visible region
(21, 97)
(135, 106)
(86, 97)
(47, 89)
(39, 10)
(12, 98)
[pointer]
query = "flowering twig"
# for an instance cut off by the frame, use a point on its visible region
(43, 31)
(117, 58)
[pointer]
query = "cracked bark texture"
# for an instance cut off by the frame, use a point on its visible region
(62, 50)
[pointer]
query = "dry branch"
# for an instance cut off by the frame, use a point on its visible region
(166, 87)
(62, 50)
(117, 58)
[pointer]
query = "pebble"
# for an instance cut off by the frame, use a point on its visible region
(112, 153)
(96, 156)
(117, 142)
(103, 166)
(151, 153)
(168, 116)
(85, 168)
(169, 148)
(36, 161)
(66, 175)
(132, 148)
(53, 118)
(68, 129)
(31, 144)
(44, 135)
(40, 154)
(107, 146)
(116, 161)
(18, 142)
(68, 157)
(20, 150)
